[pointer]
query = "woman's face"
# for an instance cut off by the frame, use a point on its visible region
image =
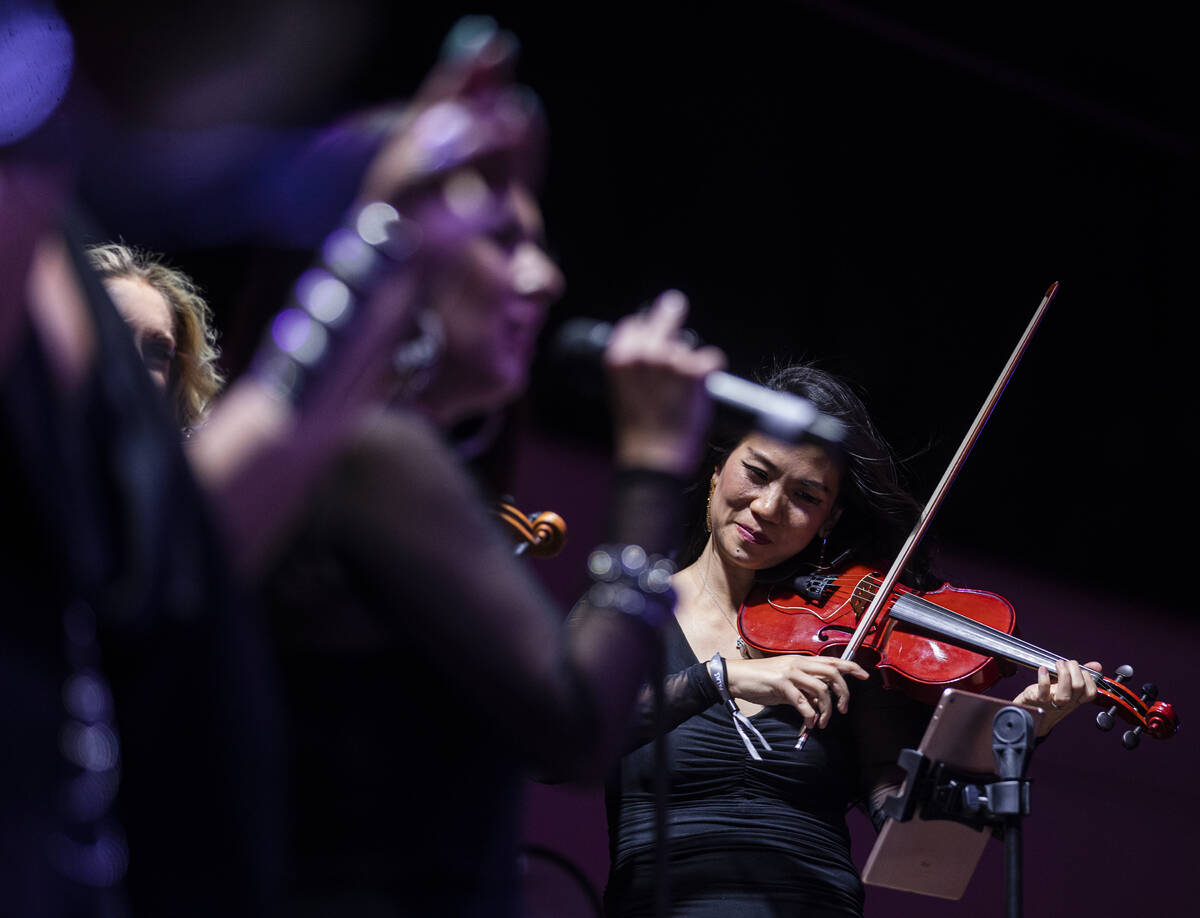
(770, 500)
(492, 298)
(148, 315)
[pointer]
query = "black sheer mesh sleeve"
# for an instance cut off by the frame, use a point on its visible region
(685, 694)
(420, 565)
(647, 508)
(646, 511)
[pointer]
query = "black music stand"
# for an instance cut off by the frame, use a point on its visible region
(967, 775)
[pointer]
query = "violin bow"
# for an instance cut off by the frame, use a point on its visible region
(872, 613)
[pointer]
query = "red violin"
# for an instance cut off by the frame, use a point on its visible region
(924, 643)
(929, 642)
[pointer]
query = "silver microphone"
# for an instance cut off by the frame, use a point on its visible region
(781, 415)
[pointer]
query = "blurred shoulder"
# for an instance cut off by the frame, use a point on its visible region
(391, 452)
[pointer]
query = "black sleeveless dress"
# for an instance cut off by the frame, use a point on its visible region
(749, 838)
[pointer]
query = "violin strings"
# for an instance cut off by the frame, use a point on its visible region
(867, 588)
(978, 628)
(870, 588)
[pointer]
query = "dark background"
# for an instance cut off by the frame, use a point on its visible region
(891, 193)
(889, 188)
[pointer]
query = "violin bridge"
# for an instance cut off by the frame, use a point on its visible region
(816, 588)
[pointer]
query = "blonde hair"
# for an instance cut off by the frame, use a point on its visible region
(195, 377)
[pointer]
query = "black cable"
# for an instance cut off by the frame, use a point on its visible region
(572, 870)
(662, 784)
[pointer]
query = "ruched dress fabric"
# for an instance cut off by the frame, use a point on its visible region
(750, 838)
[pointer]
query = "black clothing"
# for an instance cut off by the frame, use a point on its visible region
(140, 727)
(749, 838)
(426, 673)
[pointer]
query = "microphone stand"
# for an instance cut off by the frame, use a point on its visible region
(998, 801)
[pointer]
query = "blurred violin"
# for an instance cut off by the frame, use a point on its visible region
(925, 646)
(540, 535)
(924, 643)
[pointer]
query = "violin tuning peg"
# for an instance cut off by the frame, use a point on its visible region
(1104, 720)
(1131, 739)
(1123, 672)
(1149, 692)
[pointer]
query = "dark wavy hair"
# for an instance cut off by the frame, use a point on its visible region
(878, 512)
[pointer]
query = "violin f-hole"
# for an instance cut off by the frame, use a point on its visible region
(844, 629)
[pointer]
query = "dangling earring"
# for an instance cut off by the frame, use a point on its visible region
(415, 360)
(708, 507)
(821, 565)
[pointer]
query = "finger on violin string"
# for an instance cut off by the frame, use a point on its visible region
(1060, 695)
(1071, 686)
(1039, 693)
(1044, 685)
(1068, 684)
(1089, 681)
(1082, 685)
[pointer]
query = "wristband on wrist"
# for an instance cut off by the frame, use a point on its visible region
(720, 676)
(630, 581)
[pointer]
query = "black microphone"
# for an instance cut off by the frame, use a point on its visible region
(781, 415)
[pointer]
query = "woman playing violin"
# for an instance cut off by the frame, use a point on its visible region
(756, 825)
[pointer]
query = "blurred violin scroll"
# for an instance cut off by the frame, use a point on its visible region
(539, 535)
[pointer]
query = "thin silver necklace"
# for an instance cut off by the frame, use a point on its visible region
(741, 644)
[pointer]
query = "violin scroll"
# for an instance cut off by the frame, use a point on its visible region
(1147, 714)
(549, 534)
(540, 535)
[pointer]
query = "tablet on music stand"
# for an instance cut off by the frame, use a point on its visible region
(938, 857)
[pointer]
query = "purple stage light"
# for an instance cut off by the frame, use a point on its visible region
(37, 56)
